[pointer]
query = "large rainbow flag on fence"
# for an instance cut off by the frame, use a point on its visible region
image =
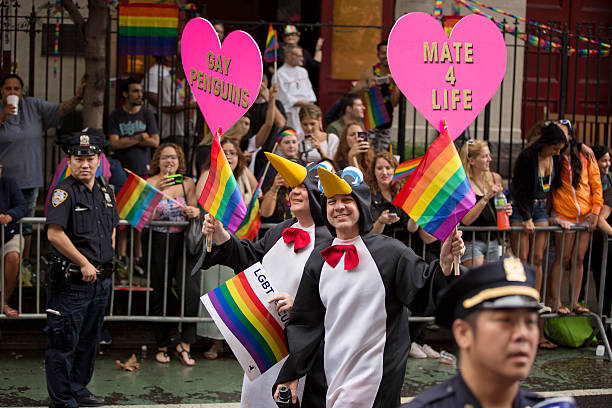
(376, 111)
(137, 200)
(438, 194)
(62, 171)
(252, 221)
(148, 29)
(405, 169)
(250, 325)
(221, 196)
(271, 51)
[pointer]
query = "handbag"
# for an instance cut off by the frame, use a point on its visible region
(194, 239)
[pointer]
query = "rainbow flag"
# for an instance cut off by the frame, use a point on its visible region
(251, 223)
(221, 196)
(438, 194)
(148, 29)
(62, 171)
(376, 111)
(137, 200)
(250, 325)
(405, 169)
(271, 51)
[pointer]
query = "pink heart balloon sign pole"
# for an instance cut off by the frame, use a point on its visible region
(450, 78)
(224, 79)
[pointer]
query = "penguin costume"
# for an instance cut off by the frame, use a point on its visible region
(353, 296)
(283, 252)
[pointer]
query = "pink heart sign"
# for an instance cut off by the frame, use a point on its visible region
(447, 78)
(224, 79)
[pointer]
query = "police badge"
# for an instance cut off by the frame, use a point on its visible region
(59, 196)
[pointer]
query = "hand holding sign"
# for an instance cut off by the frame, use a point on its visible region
(447, 78)
(224, 79)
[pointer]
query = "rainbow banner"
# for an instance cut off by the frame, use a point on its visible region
(376, 111)
(221, 196)
(271, 51)
(252, 221)
(438, 194)
(62, 171)
(137, 200)
(148, 29)
(251, 326)
(405, 169)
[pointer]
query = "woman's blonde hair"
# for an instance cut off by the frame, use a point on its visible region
(154, 165)
(472, 149)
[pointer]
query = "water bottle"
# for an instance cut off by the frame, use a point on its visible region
(503, 222)
(284, 398)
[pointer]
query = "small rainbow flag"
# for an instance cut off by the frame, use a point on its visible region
(221, 196)
(376, 111)
(252, 221)
(250, 325)
(405, 169)
(271, 51)
(438, 194)
(148, 29)
(62, 171)
(137, 200)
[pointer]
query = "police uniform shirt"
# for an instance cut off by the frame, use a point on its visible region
(455, 393)
(88, 218)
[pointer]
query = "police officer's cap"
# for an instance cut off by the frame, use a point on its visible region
(87, 142)
(505, 284)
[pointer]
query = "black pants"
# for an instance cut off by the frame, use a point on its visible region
(74, 319)
(599, 240)
(161, 283)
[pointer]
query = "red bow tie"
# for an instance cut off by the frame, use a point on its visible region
(333, 254)
(299, 236)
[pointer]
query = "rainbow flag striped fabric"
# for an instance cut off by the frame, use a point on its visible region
(405, 169)
(62, 171)
(438, 194)
(271, 51)
(137, 200)
(221, 196)
(376, 111)
(148, 29)
(250, 325)
(252, 221)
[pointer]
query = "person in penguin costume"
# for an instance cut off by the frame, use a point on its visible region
(283, 252)
(353, 296)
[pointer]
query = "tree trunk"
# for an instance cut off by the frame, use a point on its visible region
(94, 31)
(95, 55)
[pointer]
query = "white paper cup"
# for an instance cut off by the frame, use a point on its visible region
(13, 100)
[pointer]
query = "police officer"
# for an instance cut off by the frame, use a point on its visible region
(81, 223)
(492, 311)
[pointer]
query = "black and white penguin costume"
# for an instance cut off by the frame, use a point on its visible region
(283, 265)
(359, 313)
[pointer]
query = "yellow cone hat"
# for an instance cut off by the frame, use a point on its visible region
(332, 184)
(293, 173)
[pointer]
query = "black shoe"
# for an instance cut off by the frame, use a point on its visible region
(91, 401)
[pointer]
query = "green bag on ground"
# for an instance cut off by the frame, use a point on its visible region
(570, 331)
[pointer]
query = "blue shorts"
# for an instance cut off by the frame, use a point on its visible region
(538, 213)
(481, 250)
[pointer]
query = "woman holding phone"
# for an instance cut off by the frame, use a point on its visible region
(317, 144)
(354, 148)
(167, 249)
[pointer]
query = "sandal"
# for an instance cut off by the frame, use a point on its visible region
(563, 310)
(580, 309)
(180, 353)
(214, 352)
(10, 312)
(548, 345)
(162, 356)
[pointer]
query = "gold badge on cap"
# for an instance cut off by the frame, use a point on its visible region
(514, 270)
(84, 141)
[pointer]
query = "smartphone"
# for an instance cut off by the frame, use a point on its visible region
(382, 80)
(392, 214)
(363, 136)
(176, 178)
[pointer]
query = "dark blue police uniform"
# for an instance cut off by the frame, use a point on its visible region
(75, 308)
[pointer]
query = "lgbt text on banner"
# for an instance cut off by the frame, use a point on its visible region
(251, 326)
